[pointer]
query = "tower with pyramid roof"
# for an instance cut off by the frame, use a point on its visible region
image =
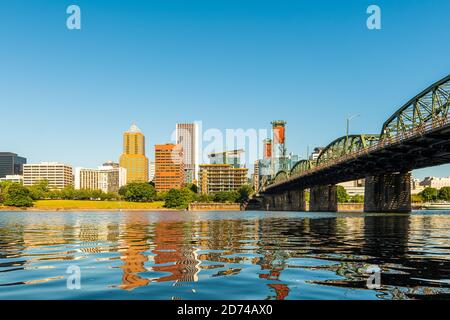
(133, 157)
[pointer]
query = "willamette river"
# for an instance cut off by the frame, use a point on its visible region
(218, 255)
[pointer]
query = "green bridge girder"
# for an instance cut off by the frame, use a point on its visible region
(336, 149)
(428, 108)
(281, 176)
(302, 166)
(346, 145)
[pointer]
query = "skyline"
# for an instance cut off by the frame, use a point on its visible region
(71, 94)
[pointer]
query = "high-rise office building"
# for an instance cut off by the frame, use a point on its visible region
(105, 178)
(169, 168)
(133, 158)
(11, 164)
(57, 174)
(221, 177)
(187, 138)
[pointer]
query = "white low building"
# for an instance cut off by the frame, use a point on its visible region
(105, 178)
(354, 188)
(434, 182)
(13, 178)
(58, 175)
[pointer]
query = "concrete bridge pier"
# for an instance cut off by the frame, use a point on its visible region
(290, 200)
(390, 192)
(323, 199)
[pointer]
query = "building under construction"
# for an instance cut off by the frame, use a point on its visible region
(279, 151)
(275, 156)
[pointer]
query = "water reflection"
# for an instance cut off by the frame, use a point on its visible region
(224, 255)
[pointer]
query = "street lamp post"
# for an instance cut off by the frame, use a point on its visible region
(348, 125)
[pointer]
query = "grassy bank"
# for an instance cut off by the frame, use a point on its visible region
(95, 205)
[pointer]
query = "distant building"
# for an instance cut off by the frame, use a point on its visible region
(232, 158)
(434, 182)
(292, 160)
(353, 188)
(11, 164)
(105, 178)
(111, 163)
(58, 175)
(169, 167)
(416, 188)
(255, 176)
(13, 178)
(151, 171)
(316, 153)
(187, 138)
(264, 172)
(221, 177)
(133, 158)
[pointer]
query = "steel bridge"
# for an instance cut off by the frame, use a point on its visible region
(416, 136)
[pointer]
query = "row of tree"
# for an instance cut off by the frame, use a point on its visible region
(427, 195)
(13, 194)
(432, 194)
(42, 191)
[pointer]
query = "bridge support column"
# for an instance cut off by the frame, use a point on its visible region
(323, 199)
(292, 200)
(389, 192)
(295, 200)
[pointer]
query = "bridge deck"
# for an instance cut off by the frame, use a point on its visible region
(424, 146)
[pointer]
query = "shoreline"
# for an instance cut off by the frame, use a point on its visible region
(84, 209)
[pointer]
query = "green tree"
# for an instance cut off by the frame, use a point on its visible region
(179, 199)
(138, 192)
(429, 194)
(444, 194)
(244, 193)
(161, 196)
(203, 197)
(3, 187)
(357, 198)
(16, 195)
(192, 187)
(68, 193)
(40, 190)
(110, 196)
(342, 194)
(416, 198)
(226, 196)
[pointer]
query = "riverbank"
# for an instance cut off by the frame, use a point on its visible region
(89, 205)
(214, 206)
(86, 205)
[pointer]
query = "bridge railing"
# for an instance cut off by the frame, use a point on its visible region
(418, 130)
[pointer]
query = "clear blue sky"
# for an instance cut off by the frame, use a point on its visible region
(68, 95)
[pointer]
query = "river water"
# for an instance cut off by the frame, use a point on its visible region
(224, 255)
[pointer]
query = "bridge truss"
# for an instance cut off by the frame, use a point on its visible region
(406, 136)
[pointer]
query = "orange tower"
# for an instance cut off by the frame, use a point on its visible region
(133, 157)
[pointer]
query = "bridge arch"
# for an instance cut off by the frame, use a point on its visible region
(428, 108)
(346, 145)
(265, 181)
(281, 176)
(302, 166)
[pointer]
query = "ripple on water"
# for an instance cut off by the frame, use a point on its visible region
(235, 255)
